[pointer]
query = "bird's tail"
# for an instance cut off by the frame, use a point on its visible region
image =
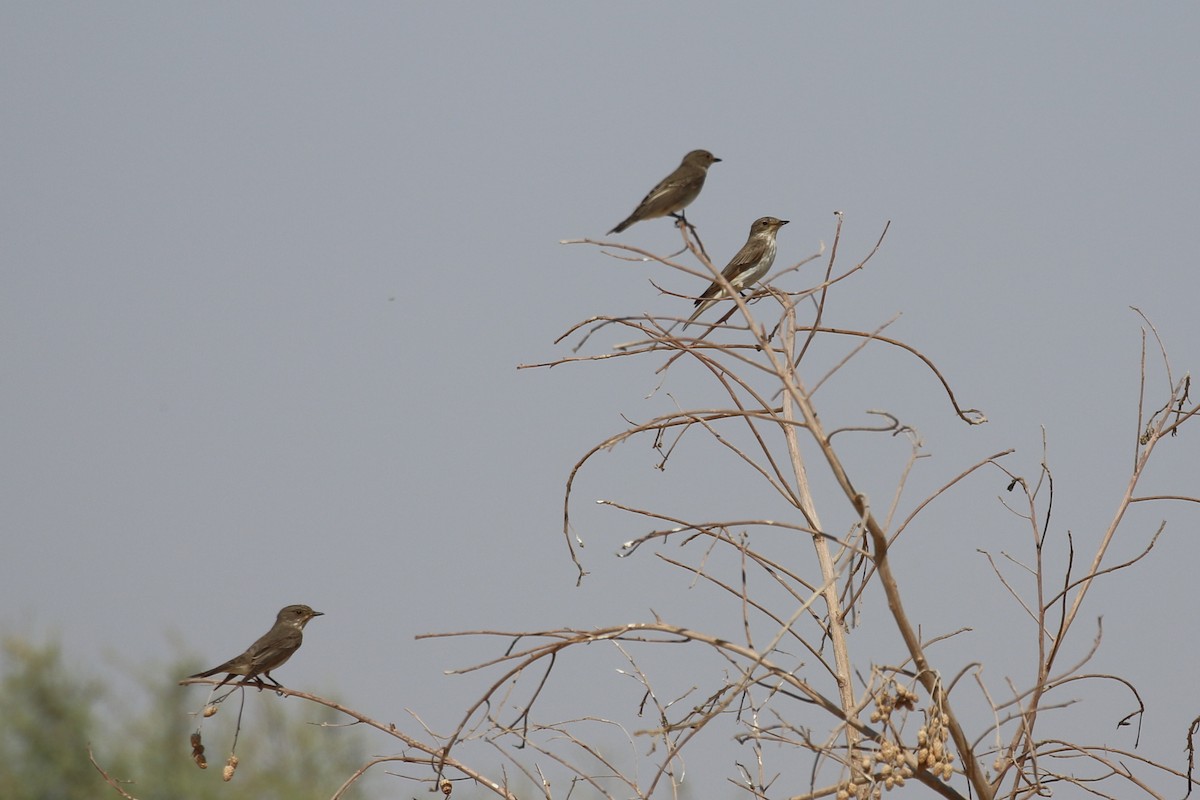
(622, 226)
(701, 307)
(208, 673)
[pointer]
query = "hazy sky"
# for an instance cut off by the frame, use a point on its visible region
(268, 270)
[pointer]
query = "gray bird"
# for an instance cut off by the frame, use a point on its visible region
(749, 265)
(271, 650)
(673, 192)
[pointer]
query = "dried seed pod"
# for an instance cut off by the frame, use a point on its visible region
(198, 751)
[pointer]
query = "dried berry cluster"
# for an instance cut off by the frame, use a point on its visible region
(891, 764)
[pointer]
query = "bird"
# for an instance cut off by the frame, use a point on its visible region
(674, 192)
(271, 650)
(746, 268)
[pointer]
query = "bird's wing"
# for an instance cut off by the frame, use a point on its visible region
(746, 258)
(682, 176)
(268, 653)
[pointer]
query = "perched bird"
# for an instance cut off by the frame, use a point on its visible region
(747, 267)
(271, 650)
(673, 192)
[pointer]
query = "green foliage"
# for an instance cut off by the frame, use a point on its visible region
(47, 718)
(50, 715)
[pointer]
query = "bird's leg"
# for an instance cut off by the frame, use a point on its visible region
(679, 223)
(278, 685)
(683, 221)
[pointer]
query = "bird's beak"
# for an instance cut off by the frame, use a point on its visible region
(715, 159)
(318, 613)
(783, 222)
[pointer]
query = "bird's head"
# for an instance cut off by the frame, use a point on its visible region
(297, 615)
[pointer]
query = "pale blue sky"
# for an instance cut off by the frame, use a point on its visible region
(268, 270)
